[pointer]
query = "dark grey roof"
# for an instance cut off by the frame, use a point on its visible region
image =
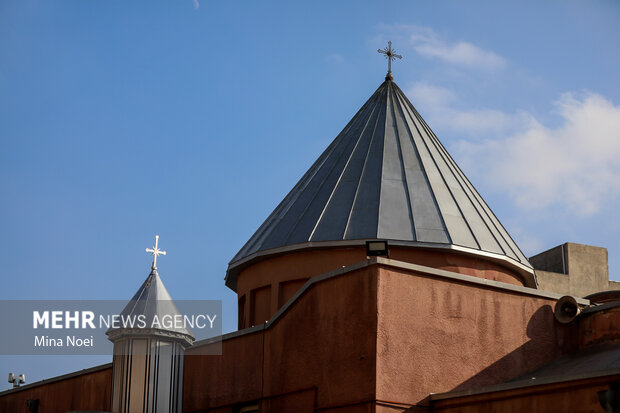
(153, 300)
(385, 176)
(598, 358)
(598, 361)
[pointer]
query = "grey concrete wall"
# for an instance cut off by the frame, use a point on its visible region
(587, 269)
(552, 260)
(573, 269)
(553, 281)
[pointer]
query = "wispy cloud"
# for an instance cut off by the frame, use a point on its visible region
(196, 4)
(462, 53)
(334, 58)
(431, 95)
(573, 167)
(443, 108)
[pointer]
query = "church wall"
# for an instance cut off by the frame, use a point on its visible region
(578, 396)
(260, 300)
(226, 379)
(600, 327)
(437, 335)
(263, 287)
(327, 340)
(319, 354)
(278, 272)
(459, 263)
(87, 390)
(377, 336)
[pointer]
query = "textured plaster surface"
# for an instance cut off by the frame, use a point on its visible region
(436, 336)
(282, 272)
(573, 269)
(322, 349)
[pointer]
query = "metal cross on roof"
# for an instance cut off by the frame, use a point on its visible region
(156, 252)
(389, 55)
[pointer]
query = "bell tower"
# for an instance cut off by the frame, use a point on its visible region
(147, 368)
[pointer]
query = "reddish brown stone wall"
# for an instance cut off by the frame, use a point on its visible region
(379, 338)
(455, 262)
(260, 311)
(225, 380)
(437, 335)
(89, 391)
(599, 327)
(322, 351)
(278, 271)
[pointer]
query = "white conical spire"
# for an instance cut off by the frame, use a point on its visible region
(147, 372)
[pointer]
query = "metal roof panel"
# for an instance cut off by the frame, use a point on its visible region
(386, 175)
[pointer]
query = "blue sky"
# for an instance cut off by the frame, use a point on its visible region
(192, 119)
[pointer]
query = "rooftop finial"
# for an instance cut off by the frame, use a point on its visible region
(389, 55)
(156, 252)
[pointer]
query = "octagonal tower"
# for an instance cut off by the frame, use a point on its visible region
(149, 353)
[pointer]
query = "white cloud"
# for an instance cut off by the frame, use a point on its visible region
(430, 95)
(442, 108)
(573, 167)
(428, 43)
(196, 4)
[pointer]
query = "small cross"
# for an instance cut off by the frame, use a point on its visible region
(389, 55)
(156, 252)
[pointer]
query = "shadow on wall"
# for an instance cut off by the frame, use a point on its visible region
(548, 340)
(543, 347)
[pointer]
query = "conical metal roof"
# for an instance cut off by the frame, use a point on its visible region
(153, 302)
(385, 176)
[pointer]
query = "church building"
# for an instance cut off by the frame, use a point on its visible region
(382, 282)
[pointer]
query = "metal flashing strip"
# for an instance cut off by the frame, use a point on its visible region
(475, 280)
(599, 307)
(418, 269)
(524, 384)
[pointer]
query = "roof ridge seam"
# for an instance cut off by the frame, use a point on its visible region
(514, 247)
(265, 228)
(402, 166)
(464, 184)
(443, 178)
(382, 163)
(448, 161)
(322, 183)
(344, 170)
(359, 183)
(405, 113)
(482, 206)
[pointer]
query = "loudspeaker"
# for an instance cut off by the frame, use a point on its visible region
(566, 309)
